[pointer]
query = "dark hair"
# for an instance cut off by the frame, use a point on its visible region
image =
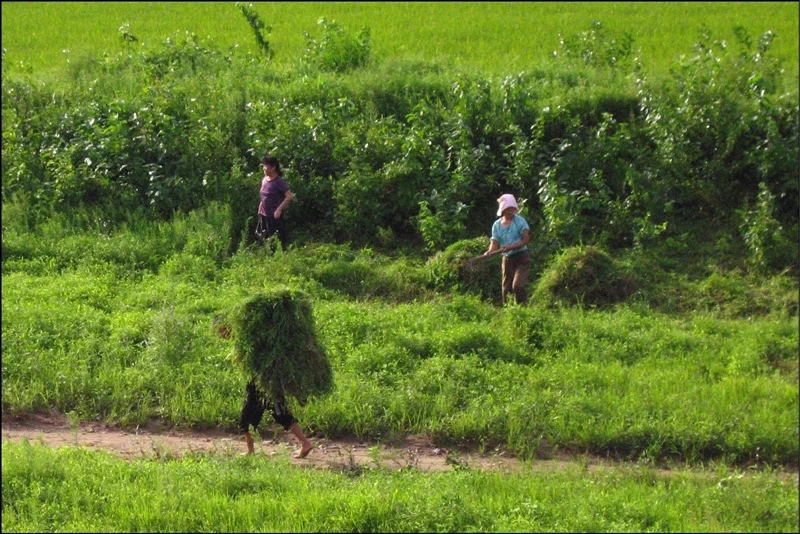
(272, 161)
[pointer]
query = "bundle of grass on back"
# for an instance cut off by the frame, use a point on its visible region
(275, 343)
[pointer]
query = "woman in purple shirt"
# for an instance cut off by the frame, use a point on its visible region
(275, 197)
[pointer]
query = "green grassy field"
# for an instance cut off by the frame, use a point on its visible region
(79, 490)
(118, 329)
(109, 288)
(497, 37)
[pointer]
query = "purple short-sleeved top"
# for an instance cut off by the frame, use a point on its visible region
(272, 194)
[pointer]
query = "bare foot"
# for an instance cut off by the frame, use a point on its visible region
(303, 452)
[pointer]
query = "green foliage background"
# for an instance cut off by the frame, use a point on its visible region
(601, 154)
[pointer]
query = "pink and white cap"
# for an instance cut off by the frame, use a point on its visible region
(506, 201)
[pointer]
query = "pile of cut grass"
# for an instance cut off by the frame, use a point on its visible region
(276, 344)
(585, 275)
(458, 269)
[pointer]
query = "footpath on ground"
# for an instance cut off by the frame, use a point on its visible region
(417, 452)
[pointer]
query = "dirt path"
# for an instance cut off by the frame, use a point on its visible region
(415, 452)
(153, 440)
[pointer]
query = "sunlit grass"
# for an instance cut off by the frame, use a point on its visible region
(497, 37)
(76, 489)
(116, 339)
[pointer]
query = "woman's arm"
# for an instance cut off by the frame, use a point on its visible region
(526, 238)
(494, 248)
(286, 201)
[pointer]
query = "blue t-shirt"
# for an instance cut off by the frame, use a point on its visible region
(508, 235)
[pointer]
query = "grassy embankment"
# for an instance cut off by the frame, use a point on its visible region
(118, 328)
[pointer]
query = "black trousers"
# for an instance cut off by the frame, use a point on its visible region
(255, 405)
(269, 226)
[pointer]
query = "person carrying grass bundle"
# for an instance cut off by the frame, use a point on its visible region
(510, 237)
(275, 344)
(255, 405)
(275, 197)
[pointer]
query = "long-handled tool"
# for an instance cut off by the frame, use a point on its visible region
(472, 262)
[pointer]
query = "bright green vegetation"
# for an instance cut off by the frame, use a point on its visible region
(416, 153)
(118, 328)
(662, 191)
(82, 490)
(496, 37)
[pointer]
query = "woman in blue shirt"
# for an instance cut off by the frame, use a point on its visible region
(510, 237)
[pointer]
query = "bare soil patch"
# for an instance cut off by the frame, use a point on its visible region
(414, 452)
(156, 440)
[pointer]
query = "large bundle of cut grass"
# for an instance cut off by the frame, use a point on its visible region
(456, 269)
(275, 342)
(586, 275)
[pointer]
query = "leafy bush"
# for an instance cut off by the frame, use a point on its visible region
(337, 50)
(769, 245)
(719, 128)
(442, 226)
(595, 48)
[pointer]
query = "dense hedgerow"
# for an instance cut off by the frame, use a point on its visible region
(419, 152)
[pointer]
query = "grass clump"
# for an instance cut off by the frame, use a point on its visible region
(454, 269)
(276, 343)
(586, 275)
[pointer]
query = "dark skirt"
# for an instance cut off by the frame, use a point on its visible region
(255, 405)
(269, 226)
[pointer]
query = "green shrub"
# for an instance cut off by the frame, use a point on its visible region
(720, 126)
(337, 50)
(770, 248)
(439, 228)
(585, 275)
(595, 48)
